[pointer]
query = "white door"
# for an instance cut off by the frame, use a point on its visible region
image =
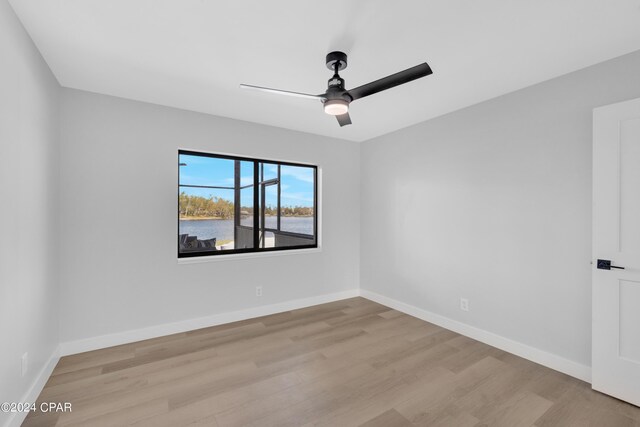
(616, 238)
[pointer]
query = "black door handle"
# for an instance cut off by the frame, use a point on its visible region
(605, 264)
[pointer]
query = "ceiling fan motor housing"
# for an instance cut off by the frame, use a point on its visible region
(336, 57)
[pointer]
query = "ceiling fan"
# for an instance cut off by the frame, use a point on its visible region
(336, 99)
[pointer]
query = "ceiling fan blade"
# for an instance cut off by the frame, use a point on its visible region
(283, 92)
(393, 80)
(344, 119)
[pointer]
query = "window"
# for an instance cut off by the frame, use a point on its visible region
(230, 204)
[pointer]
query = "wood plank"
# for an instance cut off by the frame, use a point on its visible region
(390, 418)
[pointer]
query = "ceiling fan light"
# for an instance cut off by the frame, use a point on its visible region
(336, 107)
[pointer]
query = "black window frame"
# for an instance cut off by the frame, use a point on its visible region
(256, 205)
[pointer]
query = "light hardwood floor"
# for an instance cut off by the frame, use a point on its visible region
(347, 363)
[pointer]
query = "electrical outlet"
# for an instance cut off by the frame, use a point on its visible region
(464, 304)
(258, 291)
(24, 364)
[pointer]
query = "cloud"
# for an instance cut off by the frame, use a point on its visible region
(301, 197)
(299, 173)
(271, 168)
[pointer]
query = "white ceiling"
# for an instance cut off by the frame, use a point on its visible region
(193, 54)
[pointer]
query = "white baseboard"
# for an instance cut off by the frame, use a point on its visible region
(125, 337)
(536, 355)
(33, 392)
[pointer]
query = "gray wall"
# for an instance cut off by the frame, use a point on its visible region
(28, 209)
(119, 224)
(493, 203)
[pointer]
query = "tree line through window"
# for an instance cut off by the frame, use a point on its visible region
(230, 204)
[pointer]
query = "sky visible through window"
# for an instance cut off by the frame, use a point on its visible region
(297, 184)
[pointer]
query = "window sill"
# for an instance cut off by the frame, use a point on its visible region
(235, 257)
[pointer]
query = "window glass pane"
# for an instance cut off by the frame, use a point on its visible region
(246, 203)
(268, 212)
(297, 205)
(269, 171)
(271, 206)
(208, 220)
(245, 229)
(206, 171)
